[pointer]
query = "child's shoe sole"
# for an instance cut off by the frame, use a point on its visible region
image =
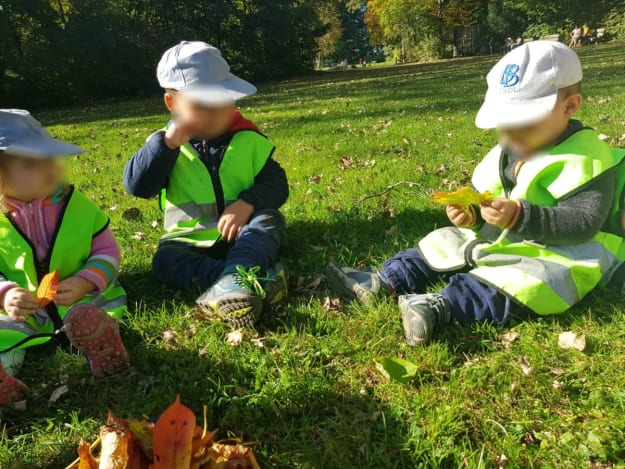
(11, 389)
(96, 334)
(277, 290)
(240, 311)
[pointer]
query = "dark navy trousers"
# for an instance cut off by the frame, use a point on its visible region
(470, 300)
(182, 266)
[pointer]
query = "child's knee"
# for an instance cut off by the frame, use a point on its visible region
(271, 222)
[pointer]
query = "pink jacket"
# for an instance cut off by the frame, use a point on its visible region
(37, 220)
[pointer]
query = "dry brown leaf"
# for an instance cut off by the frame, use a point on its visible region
(258, 342)
(138, 235)
(315, 179)
(508, 338)
(557, 384)
(115, 440)
(526, 368)
(234, 338)
(502, 461)
(309, 285)
(331, 304)
(20, 405)
(85, 458)
(170, 336)
(232, 456)
(58, 393)
(132, 214)
(345, 162)
(569, 339)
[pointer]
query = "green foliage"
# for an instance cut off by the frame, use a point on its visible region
(62, 50)
(614, 23)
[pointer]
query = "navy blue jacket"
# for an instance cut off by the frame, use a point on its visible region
(148, 171)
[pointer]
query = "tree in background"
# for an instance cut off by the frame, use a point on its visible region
(75, 49)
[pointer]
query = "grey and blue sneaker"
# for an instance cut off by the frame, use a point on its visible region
(421, 314)
(276, 288)
(231, 300)
(354, 284)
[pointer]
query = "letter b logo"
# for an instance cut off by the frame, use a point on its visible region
(510, 75)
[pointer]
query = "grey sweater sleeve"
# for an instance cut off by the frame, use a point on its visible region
(576, 219)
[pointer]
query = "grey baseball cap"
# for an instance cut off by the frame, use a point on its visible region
(198, 70)
(22, 135)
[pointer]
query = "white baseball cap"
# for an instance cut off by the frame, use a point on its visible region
(198, 70)
(22, 135)
(523, 86)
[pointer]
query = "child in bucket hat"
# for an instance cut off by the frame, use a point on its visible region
(219, 187)
(538, 245)
(48, 226)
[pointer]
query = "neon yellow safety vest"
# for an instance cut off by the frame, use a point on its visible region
(548, 279)
(190, 201)
(79, 222)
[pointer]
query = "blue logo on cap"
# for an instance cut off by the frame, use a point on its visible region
(510, 75)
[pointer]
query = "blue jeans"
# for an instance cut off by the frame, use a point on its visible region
(182, 266)
(470, 300)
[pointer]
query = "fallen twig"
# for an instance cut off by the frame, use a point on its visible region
(388, 189)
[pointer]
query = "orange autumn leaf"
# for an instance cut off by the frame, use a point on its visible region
(464, 196)
(86, 459)
(46, 291)
(172, 438)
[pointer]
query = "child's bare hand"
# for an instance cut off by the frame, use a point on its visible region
(499, 212)
(459, 216)
(19, 303)
(234, 218)
(177, 134)
(72, 290)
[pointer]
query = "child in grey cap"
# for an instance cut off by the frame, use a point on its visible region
(219, 187)
(49, 229)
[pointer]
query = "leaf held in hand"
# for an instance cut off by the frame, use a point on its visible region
(396, 369)
(46, 292)
(463, 197)
(172, 438)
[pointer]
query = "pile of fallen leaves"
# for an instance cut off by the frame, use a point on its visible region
(173, 442)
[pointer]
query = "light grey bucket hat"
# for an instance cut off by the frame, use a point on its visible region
(22, 135)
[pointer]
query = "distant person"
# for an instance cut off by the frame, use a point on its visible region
(519, 42)
(586, 34)
(491, 45)
(361, 62)
(46, 226)
(576, 35)
(509, 45)
(219, 187)
(537, 247)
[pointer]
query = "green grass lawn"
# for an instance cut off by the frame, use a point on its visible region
(312, 397)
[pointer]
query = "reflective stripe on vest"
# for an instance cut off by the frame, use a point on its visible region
(547, 279)
(80, 220)
(189, 202)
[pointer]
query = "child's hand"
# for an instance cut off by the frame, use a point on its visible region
(72, 290)
(499, 212)
(459, 216)
(177, 134)
(19, 303)
(234, 219)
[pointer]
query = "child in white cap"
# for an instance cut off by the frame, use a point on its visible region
(219, 187)
(539, 246)
(46, 226)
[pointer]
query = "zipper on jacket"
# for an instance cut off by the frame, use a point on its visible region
(213, 169)
(503, 159)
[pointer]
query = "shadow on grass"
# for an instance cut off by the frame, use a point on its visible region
(324, 425)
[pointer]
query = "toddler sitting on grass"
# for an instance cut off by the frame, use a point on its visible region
(46, 225)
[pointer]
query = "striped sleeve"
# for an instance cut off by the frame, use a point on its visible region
(103, 265)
